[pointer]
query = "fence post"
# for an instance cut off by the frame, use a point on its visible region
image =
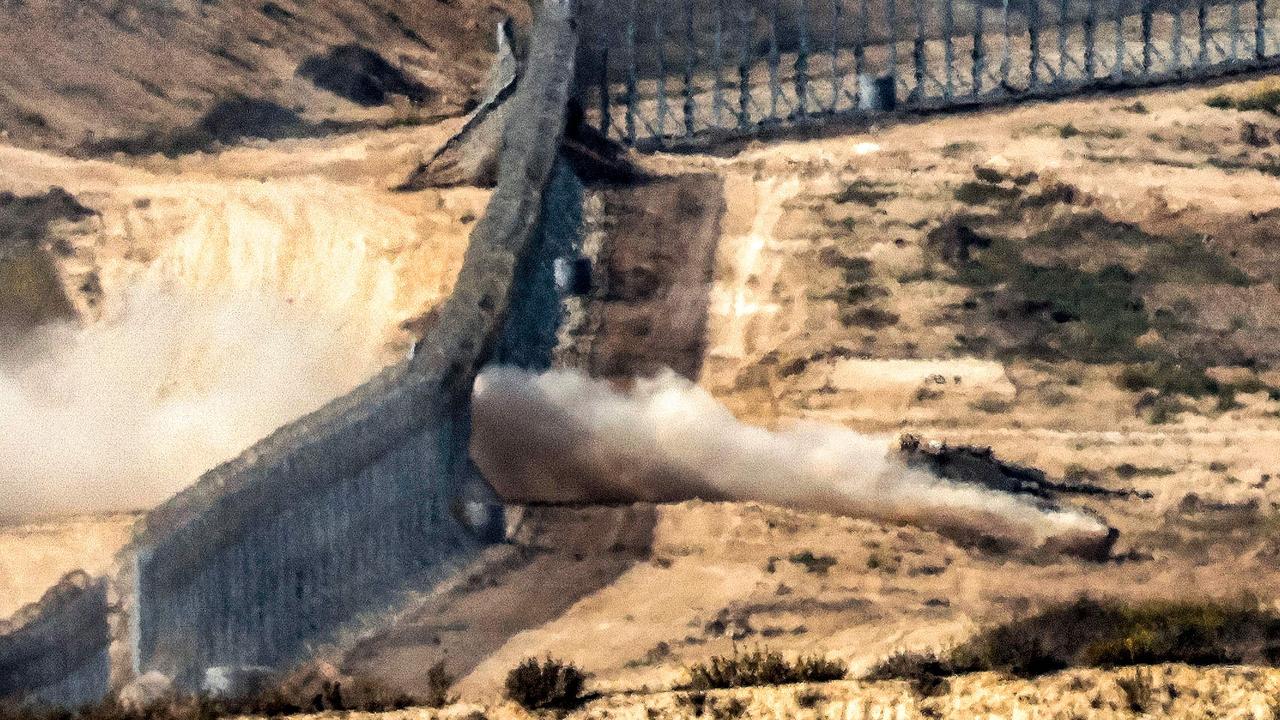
(659, 37)
(1033, 39)
(860, 46)
(837, 76)
(1235, 30)
(917, 54)
(979, 51)
(1146, 36)
(717, 93)
(1202, 24)
(802, 62)
(1064, 10)
(891, 16)
(774, 61)
(948, 51)
(632, 79)
(1005, 57)
(1090, 28)
(1260, 29)
(1176, 49)
(690, 50)
(744, 67)
(1117, 70)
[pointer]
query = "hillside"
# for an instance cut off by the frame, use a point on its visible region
(194, 286)
(150, 75)
(1086, 286)
(1086, 294)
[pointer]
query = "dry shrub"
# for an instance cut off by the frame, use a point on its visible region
(1092, 633)
(926, 671)
(549, 685)
(311, 688)
(1138, 690)
(810, 698)
(762, 667)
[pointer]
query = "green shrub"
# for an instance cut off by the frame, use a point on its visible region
(762, 667)
(1167, 378)
(1128, 471)
(958, 149)
(818, 564)
(864, 192)
(1170, 380)
(869, 317)
(549, 685)
(1092, 316)
(980, 193)
(1265, 97)
(1221, 101)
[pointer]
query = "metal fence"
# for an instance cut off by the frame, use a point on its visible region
(658, 73)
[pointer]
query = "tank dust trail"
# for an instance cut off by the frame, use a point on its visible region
(561, 437)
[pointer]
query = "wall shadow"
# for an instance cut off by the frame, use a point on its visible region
(557, 556)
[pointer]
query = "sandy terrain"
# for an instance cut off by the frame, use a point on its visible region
(298, 250)
(35, 555)
(835, 299)
(85, 72)
(837, 295)
(311, 220)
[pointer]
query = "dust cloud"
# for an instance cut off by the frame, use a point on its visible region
(119, 413)
(560, 437)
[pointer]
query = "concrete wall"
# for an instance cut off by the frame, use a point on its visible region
(56, 648)
(293, 573)
(335, 514)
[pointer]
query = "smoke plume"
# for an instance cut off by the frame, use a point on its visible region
(560, 437)
(120, 413)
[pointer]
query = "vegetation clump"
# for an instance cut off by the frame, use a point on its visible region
(1051, 298)
(926, 671)
(439, 682)
(762, 667)
(1138, 690)
(818, 564)
(1265, 97)
(1167, 382)
(549, 685)
(306, 690)
(984, 193)
(1169, 378)
(864, 192)
(1093, 633)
